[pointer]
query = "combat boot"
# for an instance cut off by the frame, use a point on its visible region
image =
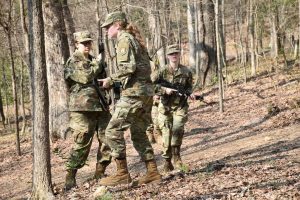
(152, 174)
(176, 157)
(168, 165)
(70, 179)
(120, 177)
(100, 169)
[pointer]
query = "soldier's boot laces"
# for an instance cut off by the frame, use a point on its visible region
(100, 169)
(120, 177)
(70, 179)
(176, 157)
(152, 174)
(168, 166)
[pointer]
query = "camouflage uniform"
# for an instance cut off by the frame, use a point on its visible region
(173, 108)
(133, 109)
(87, 115)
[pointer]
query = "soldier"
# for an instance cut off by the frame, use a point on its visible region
(173, 108)
(133, 110)
(87, 114)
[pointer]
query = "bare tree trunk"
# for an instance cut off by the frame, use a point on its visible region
(69, 23)
(235, 35)
(222, 40)
(25, 31)
(22, 98)
(166, 19)
(202, 48)
(247, 33)
(13, 80)
(191, 33)
(57, 53)
(199, 43)
(274, 33)
(243, 60)
(2, 111)
(41, 184)
(155, 27)
(178, 23)
(298, 42)
(223, 33)
(256, 28)
(5, 84)
(252, 45)
(210, 40)
(220, 76)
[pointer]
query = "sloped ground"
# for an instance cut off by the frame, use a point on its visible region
(251, 151)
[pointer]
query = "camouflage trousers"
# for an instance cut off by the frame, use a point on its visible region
(83, 126)
(171, 123)
(130, 113)
(154, 126)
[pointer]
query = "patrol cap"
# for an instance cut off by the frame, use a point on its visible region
(174, 48)
(113, 17)
(82, 36)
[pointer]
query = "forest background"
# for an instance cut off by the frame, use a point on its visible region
(222, 42)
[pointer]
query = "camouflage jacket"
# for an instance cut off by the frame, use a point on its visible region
(134, 68)
(79, 73)
(181, 77)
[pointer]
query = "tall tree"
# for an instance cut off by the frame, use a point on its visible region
(157, 41)
(8, 26)
(69, 23)
(252, 38)
(220, 76)
(57, 53)
(41, 184)
(191, 34)
(5, 86)
(210, 40)
(1, 110)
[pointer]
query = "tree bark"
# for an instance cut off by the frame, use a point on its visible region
(22, 97)
(5, 84)
(25, 31)
(157, 41)
(210, 40)
(41, 184)
(220, 76)
(2, 111)
(298, 51)
(57, 53)
(243, 59)
(191, 33)
(252, 38)
(13, 80)
(70, 25)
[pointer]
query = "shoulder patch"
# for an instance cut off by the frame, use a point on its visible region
(123, 50)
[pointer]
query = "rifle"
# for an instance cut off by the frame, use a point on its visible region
(102, 100)
(180, 91)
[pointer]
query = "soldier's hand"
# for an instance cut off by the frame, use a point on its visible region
(192, 96)
(99, 57)
(156, 98)
(169, 91)
(105, 82)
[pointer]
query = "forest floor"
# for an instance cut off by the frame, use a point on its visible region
(250, 151)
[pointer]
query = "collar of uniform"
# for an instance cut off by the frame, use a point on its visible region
(120, 33)
(78, 55)
(177, 70)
